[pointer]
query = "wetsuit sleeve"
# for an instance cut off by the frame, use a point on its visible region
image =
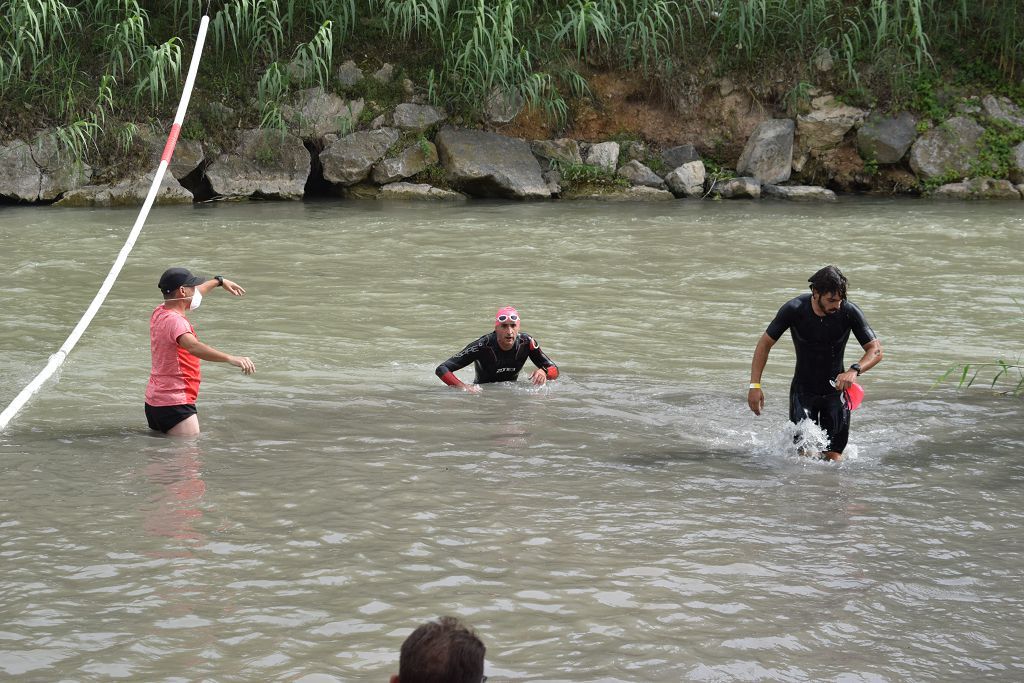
(859, 324)
(541, 360)
(461, 359)
(782, 322)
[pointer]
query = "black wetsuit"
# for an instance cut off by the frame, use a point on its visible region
(820, 343)
(494, 365)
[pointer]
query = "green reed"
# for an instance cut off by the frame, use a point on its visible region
(56, 55)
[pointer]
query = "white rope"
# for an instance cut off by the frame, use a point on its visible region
(165, 158)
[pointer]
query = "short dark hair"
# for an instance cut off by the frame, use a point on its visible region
(829, 280)
(442, 651)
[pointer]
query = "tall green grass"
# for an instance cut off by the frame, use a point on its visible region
(105, 61)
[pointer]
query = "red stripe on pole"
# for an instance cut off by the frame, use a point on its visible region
(172, 140)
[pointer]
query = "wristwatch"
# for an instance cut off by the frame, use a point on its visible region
(856, 366)
(220, 283)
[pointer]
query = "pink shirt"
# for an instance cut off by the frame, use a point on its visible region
(174, 378)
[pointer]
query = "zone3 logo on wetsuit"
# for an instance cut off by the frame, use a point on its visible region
(494, 365)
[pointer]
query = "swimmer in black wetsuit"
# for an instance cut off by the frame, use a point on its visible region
(820, 324)
(499, 356)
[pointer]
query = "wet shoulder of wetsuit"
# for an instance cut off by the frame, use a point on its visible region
(858, 323)
(471, 353)
(539, 358)
(787, 316)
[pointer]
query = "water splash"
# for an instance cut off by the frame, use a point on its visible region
(801, 440)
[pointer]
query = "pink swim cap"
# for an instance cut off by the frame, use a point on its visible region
(854, 395)
(506, 314)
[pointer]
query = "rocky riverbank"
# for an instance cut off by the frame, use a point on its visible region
(330, 147)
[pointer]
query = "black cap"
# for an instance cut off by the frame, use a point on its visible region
(178, 277)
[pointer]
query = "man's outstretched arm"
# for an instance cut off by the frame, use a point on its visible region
(190, 343)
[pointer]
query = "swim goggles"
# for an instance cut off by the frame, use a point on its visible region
(507, 317)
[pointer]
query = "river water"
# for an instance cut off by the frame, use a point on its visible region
(632, 521)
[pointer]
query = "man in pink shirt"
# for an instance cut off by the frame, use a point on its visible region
(174, 379)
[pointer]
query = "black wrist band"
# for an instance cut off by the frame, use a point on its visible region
(219, 279)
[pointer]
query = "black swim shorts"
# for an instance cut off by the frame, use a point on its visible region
(164, 418)
(829, 412)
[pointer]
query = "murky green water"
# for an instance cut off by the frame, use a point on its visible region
(630, 522)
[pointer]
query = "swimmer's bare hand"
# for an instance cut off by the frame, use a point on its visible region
(472, 388)
(845, 379)
(233, 288)
(539, 377)
(755, 399)
(243, 362)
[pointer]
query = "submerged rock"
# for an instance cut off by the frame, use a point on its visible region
(978, 188)
(418, 191)
(739, 188)
(636, 193)
(799, 193)
(130, 191)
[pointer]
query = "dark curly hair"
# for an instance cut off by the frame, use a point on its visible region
(829, 280)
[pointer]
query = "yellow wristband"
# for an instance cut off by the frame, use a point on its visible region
(755, 385)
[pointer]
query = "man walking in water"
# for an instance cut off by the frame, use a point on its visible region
(499, 356)
(176, 352)
(820, 323)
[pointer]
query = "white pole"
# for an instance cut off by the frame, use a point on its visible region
(58, 358)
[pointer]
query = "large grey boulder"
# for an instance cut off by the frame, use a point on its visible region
(827, 123)
(129, 191)
(418, 191)
(603, 155)
(636, 193)
(886, 139)
(562, 151)
(978, 188)
(187, 157)
(417, 117)
(267, 163)
(799, 193)
(687, 180)
(36, 171)
(1017, 164)
(949, 148)
(411, 161)
(768, 154)
(349, 160)
(316, 113)
(674, 157)
(638, 174)
(1003, 109)
(487, 164)
(739, 188)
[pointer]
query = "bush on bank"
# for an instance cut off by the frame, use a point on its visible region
(89, 68)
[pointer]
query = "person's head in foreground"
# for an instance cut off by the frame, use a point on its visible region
(828, 290)
(442, 651)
